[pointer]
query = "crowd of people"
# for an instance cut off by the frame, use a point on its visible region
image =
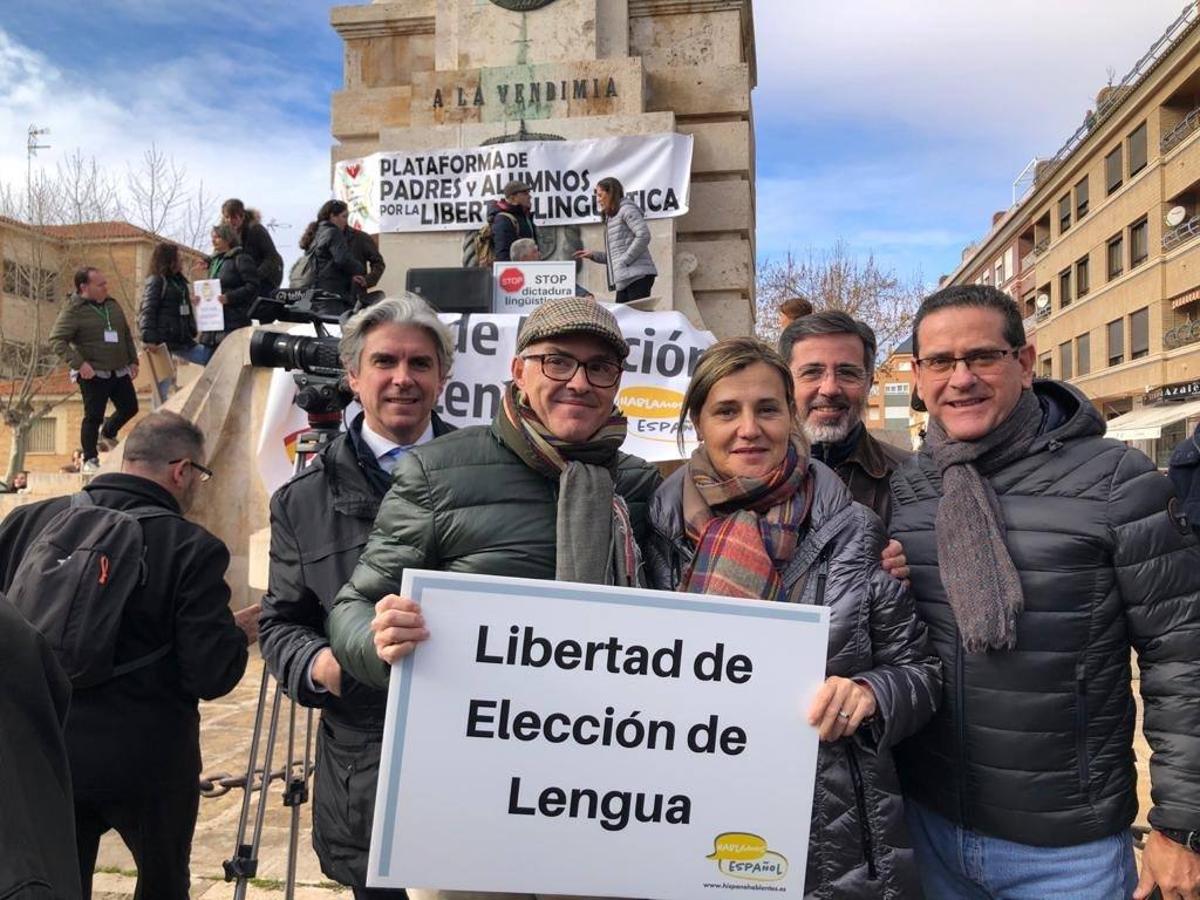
(986, 592)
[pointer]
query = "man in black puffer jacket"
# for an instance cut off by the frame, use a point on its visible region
(1041, 554)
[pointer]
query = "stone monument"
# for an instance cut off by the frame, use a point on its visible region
(431, 74)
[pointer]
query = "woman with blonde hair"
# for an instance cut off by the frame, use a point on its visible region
(750, 515)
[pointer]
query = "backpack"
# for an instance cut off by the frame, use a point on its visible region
(73, 582)
(485, 250)
(303, 272)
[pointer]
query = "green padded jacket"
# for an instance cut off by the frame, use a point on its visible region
(462, 503)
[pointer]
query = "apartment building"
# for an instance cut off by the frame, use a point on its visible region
(890, 415)
(1103, 251)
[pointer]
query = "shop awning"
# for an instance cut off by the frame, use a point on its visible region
(1146, 424)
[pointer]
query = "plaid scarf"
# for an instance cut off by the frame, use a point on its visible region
(594, 534)
(745, 529)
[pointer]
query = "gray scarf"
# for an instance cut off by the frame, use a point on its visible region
(977, 571)
(593, 533)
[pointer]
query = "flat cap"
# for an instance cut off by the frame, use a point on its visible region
(516, 187)
(572, 315)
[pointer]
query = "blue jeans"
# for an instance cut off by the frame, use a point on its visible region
(957, 864)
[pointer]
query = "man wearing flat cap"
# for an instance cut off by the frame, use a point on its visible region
(542, 492)
(511, 218)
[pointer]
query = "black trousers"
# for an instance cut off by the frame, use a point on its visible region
(96, 394)
(636, 290)
(156, 823)
(379, 894)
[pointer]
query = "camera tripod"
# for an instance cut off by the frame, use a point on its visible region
(319, 400)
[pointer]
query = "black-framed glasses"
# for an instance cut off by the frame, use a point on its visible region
(845, 374)
(205, 472)
(977, 361)
(601, 373)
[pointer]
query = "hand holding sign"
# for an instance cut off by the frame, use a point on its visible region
(398, 626)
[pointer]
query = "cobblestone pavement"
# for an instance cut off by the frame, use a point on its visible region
(225, 735)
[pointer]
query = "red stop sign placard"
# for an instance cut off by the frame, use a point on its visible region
(512, 280)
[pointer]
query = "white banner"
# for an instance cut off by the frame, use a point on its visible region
(664, 347)
(521, 287)
(449, 189)
(554, 738)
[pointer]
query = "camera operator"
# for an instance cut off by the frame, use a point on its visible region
(398, 355)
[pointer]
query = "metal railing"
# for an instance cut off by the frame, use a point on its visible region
(1030, 324)
(1028, 260)
(1040, 247)
(1177, 134)
(1122, 89)
(1181, 335)
(1043, 313)
(1181, 233)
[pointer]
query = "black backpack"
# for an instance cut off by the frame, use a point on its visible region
(73, 582)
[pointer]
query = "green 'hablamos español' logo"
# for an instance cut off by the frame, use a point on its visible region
(740, 854)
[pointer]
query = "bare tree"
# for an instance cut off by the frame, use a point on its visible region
(154, 195)
(836, 279)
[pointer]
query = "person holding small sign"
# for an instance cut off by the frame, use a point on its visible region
(750, 515)
(544, 492)
(235, 269)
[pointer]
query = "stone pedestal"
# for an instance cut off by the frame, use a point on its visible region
(427, 74)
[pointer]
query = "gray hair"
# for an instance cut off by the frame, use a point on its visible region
(524, 250)
(407, 309)
(829, 321)
(228, 234)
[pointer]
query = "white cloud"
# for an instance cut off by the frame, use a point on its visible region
(220, 117)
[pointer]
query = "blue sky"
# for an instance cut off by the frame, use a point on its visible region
(897, 126)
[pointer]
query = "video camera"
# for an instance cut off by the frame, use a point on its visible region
(320, 375)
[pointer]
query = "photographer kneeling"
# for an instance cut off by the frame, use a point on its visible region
(398, 355)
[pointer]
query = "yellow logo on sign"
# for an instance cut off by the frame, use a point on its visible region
(644, 402)
(740, 854)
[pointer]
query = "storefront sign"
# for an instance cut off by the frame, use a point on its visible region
(554, 738)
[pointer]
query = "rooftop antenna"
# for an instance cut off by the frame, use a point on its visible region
(31, 148)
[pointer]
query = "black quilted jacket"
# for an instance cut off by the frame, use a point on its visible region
(858, 844)
(1034, 744)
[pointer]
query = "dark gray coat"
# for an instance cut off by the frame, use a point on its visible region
(320, 521)
(1035, 744)
(858, 845)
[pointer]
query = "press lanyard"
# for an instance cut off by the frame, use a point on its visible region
(104, 315)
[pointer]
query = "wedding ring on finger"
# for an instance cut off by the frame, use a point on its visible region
(844, 715)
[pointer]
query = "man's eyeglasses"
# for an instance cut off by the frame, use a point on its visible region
(205, 472)
(600, 373)
(847, 375)
(978, 361)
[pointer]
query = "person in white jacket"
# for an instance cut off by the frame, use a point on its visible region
(626, 253)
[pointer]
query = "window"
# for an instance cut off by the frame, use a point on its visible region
(1081, 278)
(1083, 354)
(1116, 256)
(999, 270)
(32, 282)
(1137, 150)
(1064, 288)
(42, 434)
(1116, 342)
(1139, 333)
(1139, 242)
(1112, 170)
(1064, 213)
(1064, 362)
(896, 387)
(1081, 199)
(1045, 366)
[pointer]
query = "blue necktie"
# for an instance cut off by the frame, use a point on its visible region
(387, 462)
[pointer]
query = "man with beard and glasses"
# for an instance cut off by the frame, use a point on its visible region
(832, 359)
(543, 492)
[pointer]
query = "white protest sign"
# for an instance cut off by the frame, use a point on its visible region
(664, 348)
(210, 314)
(521, 287)
(554, 738)
(449, 189)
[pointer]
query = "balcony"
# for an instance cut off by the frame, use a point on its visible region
(1029, 323)
(1181, 233)
(1181, 335)
(1180, 132)
(1042, 314)
(1040, 247)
